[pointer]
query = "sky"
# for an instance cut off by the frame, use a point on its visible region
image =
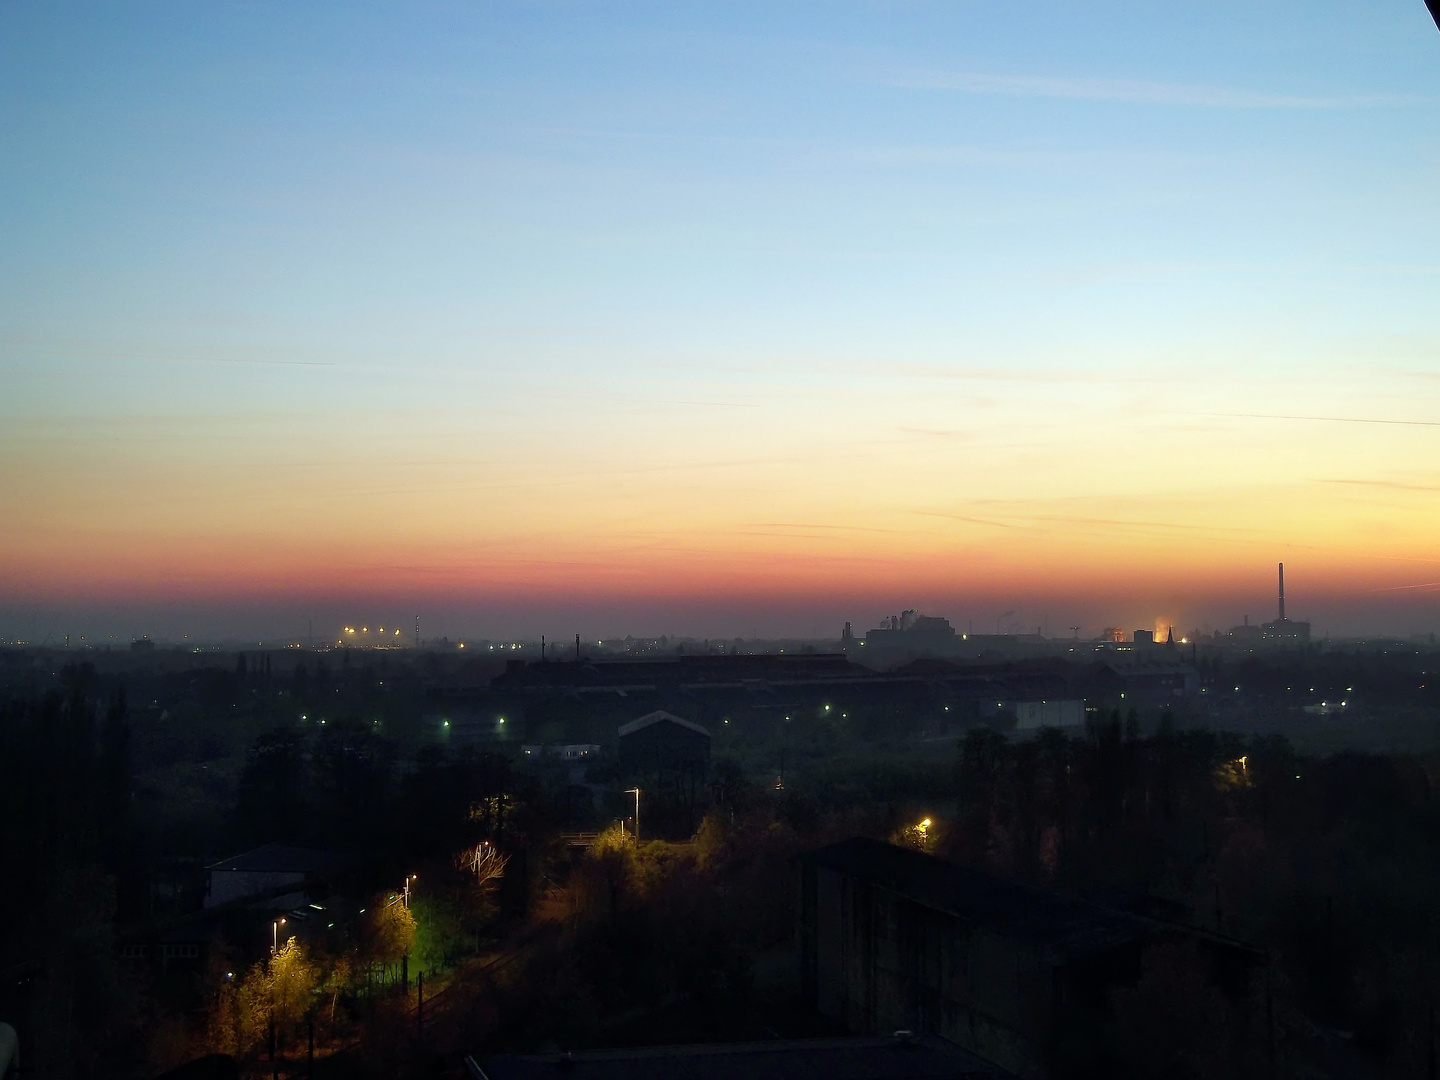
(717, 319)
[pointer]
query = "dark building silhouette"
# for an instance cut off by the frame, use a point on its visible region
(1157, 679)
(669, 757)
(903, 1057)
(268, 870)
(911, 633)
(1245, 634)
(661, 742)
(1279, 631)
(895, 939)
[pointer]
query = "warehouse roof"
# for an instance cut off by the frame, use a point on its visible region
(660, 716)
(282, 859)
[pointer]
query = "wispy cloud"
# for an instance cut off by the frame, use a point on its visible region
(937, 433)
(1392, 485)
(1131, 91)
(1004, 375)
(968, 519)
(828, 528)
(1323, 419)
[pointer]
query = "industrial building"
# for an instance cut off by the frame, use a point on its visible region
(1283, 629)
(1278, 631)
(911, 633)
(661, 742)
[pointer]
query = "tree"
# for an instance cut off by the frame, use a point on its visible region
(388, 933)
(485, 862)
(280, 989)
(730, 790)
(271, 803)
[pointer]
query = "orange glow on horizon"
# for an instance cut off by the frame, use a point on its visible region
(795, 518)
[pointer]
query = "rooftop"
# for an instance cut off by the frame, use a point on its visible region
(909, 1058)
(1066, 924)
(281, 859)
(660, 716)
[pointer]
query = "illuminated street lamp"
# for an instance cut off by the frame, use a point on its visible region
(406, 891)
(275, 936)
(636, 792)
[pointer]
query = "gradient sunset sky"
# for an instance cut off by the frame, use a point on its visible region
(717, 318)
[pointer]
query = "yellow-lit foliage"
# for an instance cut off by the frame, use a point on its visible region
(920, 835)
(1233, 775)
(711, 839)
(613, 839)
(282, 987)
(603, 876)
(389, 932)
(224, 1023)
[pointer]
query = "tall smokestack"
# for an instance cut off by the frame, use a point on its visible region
(1282, 592)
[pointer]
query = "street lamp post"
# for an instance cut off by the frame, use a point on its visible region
(275, 936)
(636, 792)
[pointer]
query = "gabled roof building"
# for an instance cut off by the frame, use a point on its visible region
(661, 741)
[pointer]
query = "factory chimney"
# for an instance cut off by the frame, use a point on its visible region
(1282, 592)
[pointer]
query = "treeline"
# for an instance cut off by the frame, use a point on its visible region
(81, 851)
(72, 863)
(340, 785)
